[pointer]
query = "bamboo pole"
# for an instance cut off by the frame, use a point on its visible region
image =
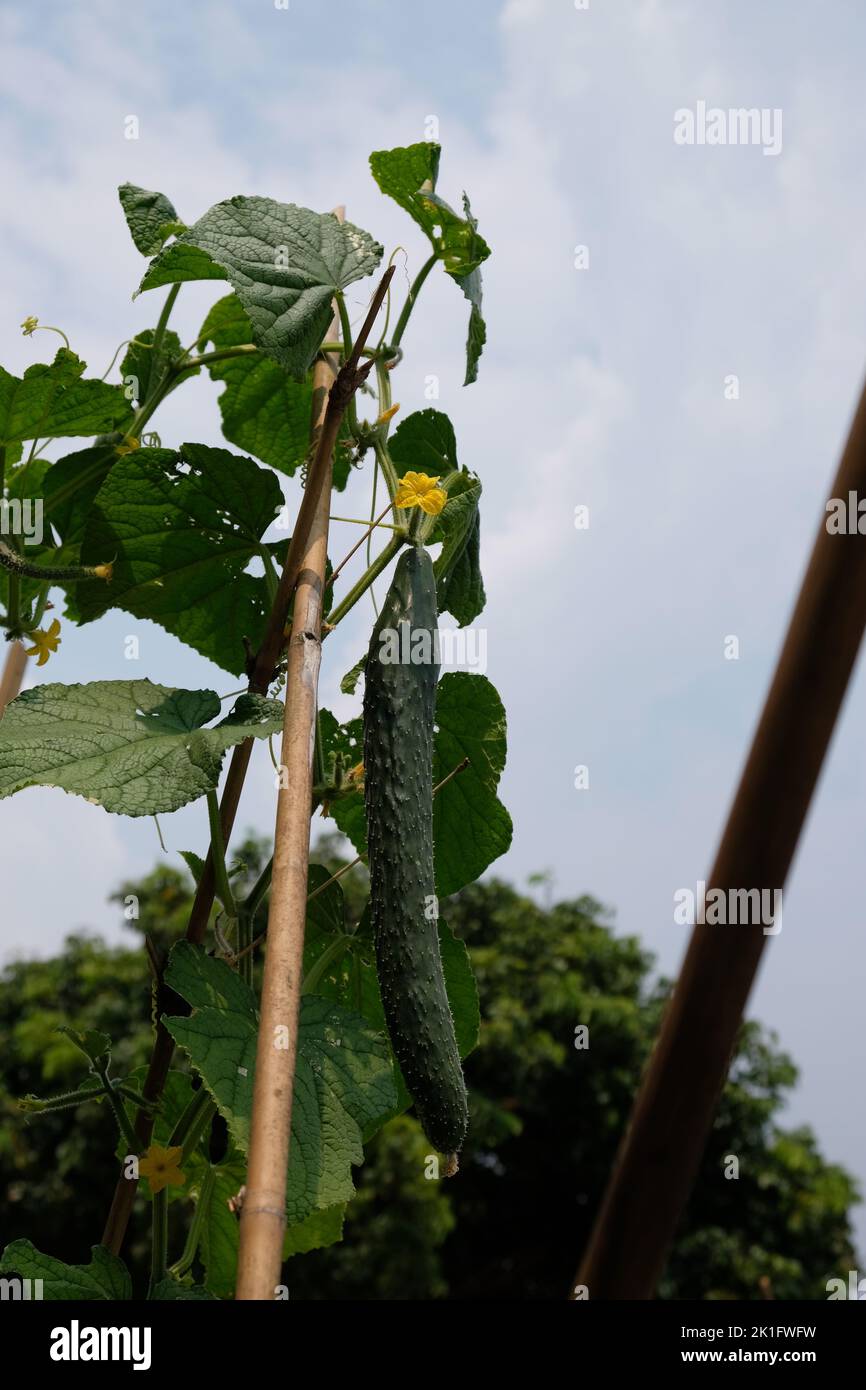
(263, 1215)
(348, 380)
(13, 674)
(660, 1154)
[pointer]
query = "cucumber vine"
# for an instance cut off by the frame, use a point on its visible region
(192, 537)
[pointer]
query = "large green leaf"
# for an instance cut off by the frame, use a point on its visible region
(182, 529)
(135, 748)
(106, 1278)
(284, 263)
(85, 471)
(54, 401)
(471, 827)
(264, 409)
(150, 217)
(408, 175)
(343, 1079)
(350, 978)
(321, 1228)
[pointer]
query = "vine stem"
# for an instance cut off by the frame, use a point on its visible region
(381, 562)
(348, 379)
(357, 546)
(400, 326)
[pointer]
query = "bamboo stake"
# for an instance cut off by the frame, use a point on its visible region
(662, 1148)
(263, 1216)
(348, 380)
(13, 674)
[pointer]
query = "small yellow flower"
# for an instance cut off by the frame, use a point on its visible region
(356, 776)
(45, 642)
(417, 490)
(30, 325)
(161, 1167)
(127, 446)
(105, 572)
(388, 414)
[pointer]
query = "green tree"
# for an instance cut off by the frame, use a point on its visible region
(547, 1114)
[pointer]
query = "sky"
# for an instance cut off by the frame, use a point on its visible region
(688, 376)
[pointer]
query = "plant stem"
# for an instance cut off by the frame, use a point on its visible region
(332, 953)
(218, 854)
(184, 1264)
(415, 288)
(365, 521)
(358, 544)
(162, 321)
(118, 1108)
(381, 562)
(159, 1249)
(192, 1123)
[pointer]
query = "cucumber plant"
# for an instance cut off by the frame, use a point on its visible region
(189, 536)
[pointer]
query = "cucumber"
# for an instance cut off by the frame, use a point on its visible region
(399, 711)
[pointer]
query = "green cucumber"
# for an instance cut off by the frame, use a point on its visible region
(399, 712)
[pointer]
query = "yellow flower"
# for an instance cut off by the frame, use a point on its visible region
(127, 446)
(30, 325)
(417, 490)
(45, 642)
(105, 572)
(388, 414)
(160, 1167)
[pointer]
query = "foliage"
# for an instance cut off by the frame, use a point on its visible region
(545, 1123)
(187, 536)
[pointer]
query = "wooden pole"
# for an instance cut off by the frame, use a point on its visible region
(13, 674)
(348, 379)
(662, 1148)
(263, 1215)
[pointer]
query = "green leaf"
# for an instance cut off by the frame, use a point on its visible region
(321, 1228)
(349, 683)
(218, 1249)
(352, 982)
(471, 827)
(55, 401)
(284, 263)
(174, 1289)
(87, 470)
(408, 175)
(182, 530)
(146, 368)
(264, 410)
(135, 748)
(343, 1079)
(459, 586)
(95, 1046)
(106, 1278)
(150, 217)
(424, 442)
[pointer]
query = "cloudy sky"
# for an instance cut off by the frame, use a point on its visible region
(602, 386)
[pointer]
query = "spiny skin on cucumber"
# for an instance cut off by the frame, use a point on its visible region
(399, 713)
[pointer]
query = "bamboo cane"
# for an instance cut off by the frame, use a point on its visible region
(662, 1148)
